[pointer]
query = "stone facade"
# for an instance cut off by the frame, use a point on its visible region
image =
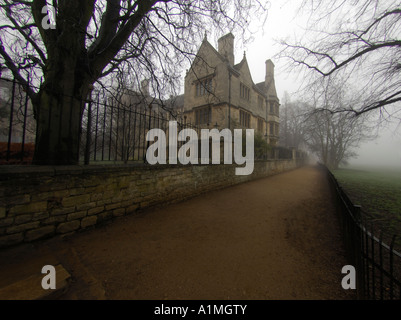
(217, 94)
(220, 94)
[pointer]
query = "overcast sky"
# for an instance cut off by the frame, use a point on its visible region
(284, 22)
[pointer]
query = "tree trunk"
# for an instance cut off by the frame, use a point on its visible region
(58, 122)
(61, 99)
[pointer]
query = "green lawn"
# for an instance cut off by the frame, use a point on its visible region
(379, 194)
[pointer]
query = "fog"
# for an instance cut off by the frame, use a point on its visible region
(382, 152)
(284, 21)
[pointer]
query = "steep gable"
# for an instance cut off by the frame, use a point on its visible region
(206, 59)
(261, 87)
(271, 88)
(245, 72)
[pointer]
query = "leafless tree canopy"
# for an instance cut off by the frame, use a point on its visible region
(331, 136)
(149, 38)
(94, 40)
(292, 120)
(354, 42)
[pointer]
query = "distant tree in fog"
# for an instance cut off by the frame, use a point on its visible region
(333, 137)
(292, 129)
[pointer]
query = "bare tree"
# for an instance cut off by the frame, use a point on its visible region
(68, 52)
(355, 42)
(292, 133)
(333, 137)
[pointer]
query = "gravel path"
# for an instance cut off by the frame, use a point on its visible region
(274, 238)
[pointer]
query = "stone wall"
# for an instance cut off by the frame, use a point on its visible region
(40, 202)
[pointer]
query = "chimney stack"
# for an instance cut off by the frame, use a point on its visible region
(226, 47)
(269, 72)
(145, 87)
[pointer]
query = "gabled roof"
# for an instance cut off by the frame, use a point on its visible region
(268, 90)
(175, 102)
(238, 66)
(260, 86)
(205, 42)
(244, 64)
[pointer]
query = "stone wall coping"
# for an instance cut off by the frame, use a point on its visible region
(38, 202)
(20, 171)
(15, 171)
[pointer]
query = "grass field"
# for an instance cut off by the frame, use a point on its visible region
(378, 191)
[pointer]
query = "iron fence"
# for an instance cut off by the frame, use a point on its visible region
(116, 132)
(113, 128)
(377, 263)
(17, 125)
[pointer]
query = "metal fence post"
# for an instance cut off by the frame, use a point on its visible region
(24, 122)
(88, 133)
(10, 129)
(358, 253)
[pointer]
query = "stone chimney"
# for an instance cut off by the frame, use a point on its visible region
(269, 72)
(226, 47)
(269, 80)
(145, 87)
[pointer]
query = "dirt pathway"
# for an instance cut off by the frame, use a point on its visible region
(274, 238)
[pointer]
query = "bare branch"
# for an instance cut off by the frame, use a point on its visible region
(361, 50)
(21, 30)
(15, 71)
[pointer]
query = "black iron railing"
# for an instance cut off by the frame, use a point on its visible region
(116, 132)
(113, 128)
(17, 124)
(377, 263)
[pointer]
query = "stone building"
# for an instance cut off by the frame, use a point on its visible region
(221, 94)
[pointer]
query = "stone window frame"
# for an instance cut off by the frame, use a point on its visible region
(271, 128)
(245, 92)
(260, 125)
(203, 115)
(271, 107)
(274, 109)
(204, 86)
(244, 118)
(274, 128)
(260, 101)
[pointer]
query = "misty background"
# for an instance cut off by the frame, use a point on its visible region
(284, 21)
